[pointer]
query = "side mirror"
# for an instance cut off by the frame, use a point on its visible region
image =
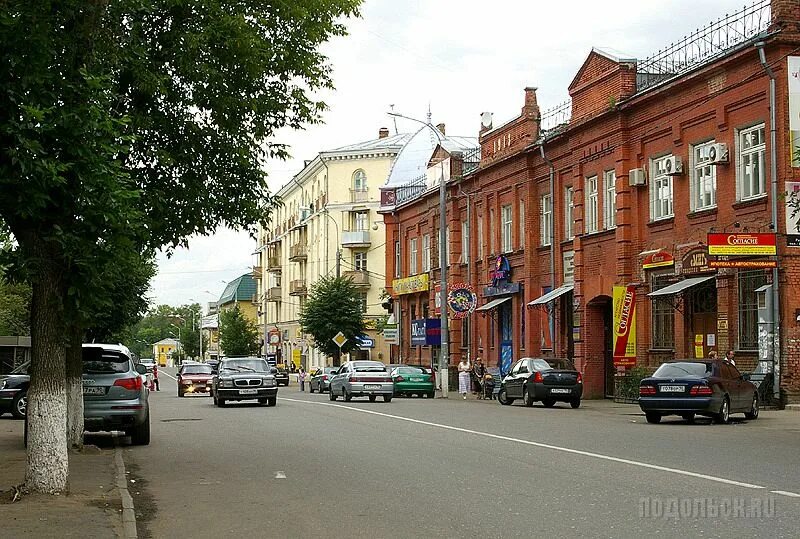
(141, 369)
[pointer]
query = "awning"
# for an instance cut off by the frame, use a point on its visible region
(492, 304)
(680, 286)
(553, 294)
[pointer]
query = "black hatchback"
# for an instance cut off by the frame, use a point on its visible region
(713, 388)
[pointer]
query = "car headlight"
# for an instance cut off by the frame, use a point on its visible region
(227, 383)
(269, 383)
(187, 382)
(2, 384)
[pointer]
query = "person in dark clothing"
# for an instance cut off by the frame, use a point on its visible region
(478, 372)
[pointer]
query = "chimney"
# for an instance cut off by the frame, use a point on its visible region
(440, 127)
(531, 107)
(383, 132)
(785, 16)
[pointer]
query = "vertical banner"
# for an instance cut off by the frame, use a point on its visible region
(792, 214)
(546, 324)
(624, 326)
(794, 106)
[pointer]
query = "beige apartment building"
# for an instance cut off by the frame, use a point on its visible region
(328, 222)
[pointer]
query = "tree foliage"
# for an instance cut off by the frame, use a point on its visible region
(238, 335)
(333, 305)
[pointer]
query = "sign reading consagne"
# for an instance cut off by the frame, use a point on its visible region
(409, 285)
(624, 326)
(759, 243)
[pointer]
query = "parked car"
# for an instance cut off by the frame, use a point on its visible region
(535, 379)
(713, 388)
(413, 381)
(14, 391)
(148, 363)
(321, 379)
(281, 376)
(214, 364)
(194, 378)
(114, 396)
(362, 379)
(244, 378)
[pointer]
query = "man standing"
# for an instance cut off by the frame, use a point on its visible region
(302, 378)
(155, 377)
(729, 357)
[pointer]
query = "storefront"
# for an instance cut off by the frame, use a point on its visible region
(502, 297)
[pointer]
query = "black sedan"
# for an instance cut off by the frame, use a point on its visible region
(321, 379)
(282, 376)
(687, 388)
(534, 379)
(14, 391)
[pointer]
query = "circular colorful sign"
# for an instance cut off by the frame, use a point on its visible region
(461, 299)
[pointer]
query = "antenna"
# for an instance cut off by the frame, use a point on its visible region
(394, 119)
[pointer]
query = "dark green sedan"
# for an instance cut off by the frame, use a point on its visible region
(412, 381)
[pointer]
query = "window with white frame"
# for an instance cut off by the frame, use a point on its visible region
(704, 178)
(464, 242)
(609, 199)
(506, 228)
(521, 224)
(569, 266)
(412, 256)
(360, 261)
(660, 189)
(590, 203)
(362, 301)
(569, 213)
(751, 148)
(426, 253)
(480, 237)
(359, 180)
(546, 220)
(360, 221)
(397, 269)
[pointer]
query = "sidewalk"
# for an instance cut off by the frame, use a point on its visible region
(91, 509)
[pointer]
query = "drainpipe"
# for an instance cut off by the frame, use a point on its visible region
(773, 171)
(552, 231)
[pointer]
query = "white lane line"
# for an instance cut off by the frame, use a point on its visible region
(543, 445)
(280, 475)
(167, 375)
(785, 493)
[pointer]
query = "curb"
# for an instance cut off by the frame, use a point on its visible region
(128, 513)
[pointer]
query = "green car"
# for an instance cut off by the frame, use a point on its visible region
(411, 380)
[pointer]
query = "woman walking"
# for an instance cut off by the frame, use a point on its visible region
(464, 369)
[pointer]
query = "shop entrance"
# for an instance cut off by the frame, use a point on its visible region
(506, 337)
(701, 319)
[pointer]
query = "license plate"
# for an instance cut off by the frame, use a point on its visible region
(672, 389)
(372, 386)
(416, 379)
(89, 390)
(560, 390)
(248, 392)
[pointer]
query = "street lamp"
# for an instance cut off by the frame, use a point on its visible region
(445, 359)
(179, 339)
(199, 329)
(338, 243)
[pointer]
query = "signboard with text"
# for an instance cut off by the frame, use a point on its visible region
(624, 313)
(410, 285)
(426, 332)
(792, 214)
(659, 259)
(747, 244)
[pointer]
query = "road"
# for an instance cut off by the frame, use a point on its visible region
(450, 468)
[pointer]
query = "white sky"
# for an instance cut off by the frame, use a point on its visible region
(461, 59)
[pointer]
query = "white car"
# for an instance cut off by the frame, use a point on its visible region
(148, 363)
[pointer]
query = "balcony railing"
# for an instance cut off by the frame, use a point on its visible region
(355, 238)
(298, 287)
(360, 278)
(298, 251)
(359, 195)
(274, 263)
(274, 294)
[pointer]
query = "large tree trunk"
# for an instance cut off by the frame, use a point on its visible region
(48, 469)
(75, 388)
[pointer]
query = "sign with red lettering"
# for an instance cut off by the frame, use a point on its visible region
(658, 260)
(759, 243)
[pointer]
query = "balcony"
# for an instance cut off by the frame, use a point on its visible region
(355, 238)
(257, 272)
(274, 264)
(359, 195)
(360, 278)
(298, 287)
(274, 294)
(298, 252)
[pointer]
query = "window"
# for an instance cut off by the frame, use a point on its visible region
(492, 250)
(569, 266)
(704, 178)
(480, 237)
(360, 261)
(506, 228)
(660, 190)
(662, 314)
(751, 150)
(397, 272)
(362, 299)
(426, 253)
(749, 281)
(590, 201)
(464, 242)
(521, 224)
(546, 221)
(412, 256)
(610, 199)
(360, 220)
(569, 213)
(359, 180)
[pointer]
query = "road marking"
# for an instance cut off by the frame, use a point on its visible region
(280, 475)
(542, 445)
(785, 493)
(167, 375)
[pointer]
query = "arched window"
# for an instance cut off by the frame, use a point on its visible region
(359, 180)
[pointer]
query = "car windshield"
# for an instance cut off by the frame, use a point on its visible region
(197, 369)
(369, 367)
(679, 370)
(245, 365)
(97, 361)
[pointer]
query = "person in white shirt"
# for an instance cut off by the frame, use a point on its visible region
(464, 369)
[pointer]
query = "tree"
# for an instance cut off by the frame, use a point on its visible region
(149, 119)
(333, 305)
(238, 335)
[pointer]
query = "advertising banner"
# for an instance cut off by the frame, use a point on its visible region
(757, 243)
(409, 285)
(658, 260)
(793, 71)
(793, 214)
(624, 313)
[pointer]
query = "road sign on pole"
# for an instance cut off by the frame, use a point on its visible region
(339, 339)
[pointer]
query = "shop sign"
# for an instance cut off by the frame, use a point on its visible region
(743, 263)
(760, 244)
(658, 260)
(501, 270)
(390, 334)
(461, 299)
(792, 214)
(410, 285)
(624, 312)
(274, 336)
(365, 342)
(696, 262)
(426, 332)
(502, 289)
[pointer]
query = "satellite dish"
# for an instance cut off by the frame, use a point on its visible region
(486, 120)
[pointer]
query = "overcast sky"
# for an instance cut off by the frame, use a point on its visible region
(461, 58)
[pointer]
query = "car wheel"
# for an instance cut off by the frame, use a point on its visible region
(373, 398)
(503, 399)
(753, 413)
(431, 394)
(688, 417)
(347, 397)
(653, 417)
(140, 434)
(575, 403)
(527, 399)
(19, 407)
(548, 403)
(180, 393)
(331, 395)
(272, 401)
(724, 414)
(387, 398)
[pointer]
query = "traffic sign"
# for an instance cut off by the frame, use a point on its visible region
(339, 339)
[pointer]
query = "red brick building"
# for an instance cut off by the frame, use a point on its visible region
(620, 188)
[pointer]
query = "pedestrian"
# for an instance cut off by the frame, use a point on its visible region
(155, 377)
(302, 378)
(464, 369)
(729, 357)
(712, 355)
(478, 372)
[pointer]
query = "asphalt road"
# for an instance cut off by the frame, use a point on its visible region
(449, 468)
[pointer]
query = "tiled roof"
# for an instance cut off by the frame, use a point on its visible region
(240, 289)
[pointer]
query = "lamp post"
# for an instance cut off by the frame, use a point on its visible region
(199, 328)
(338, 243)
(179, 340)
(444, 361)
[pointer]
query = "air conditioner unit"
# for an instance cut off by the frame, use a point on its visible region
(673, 166)
(637, 177)
(718, 153)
